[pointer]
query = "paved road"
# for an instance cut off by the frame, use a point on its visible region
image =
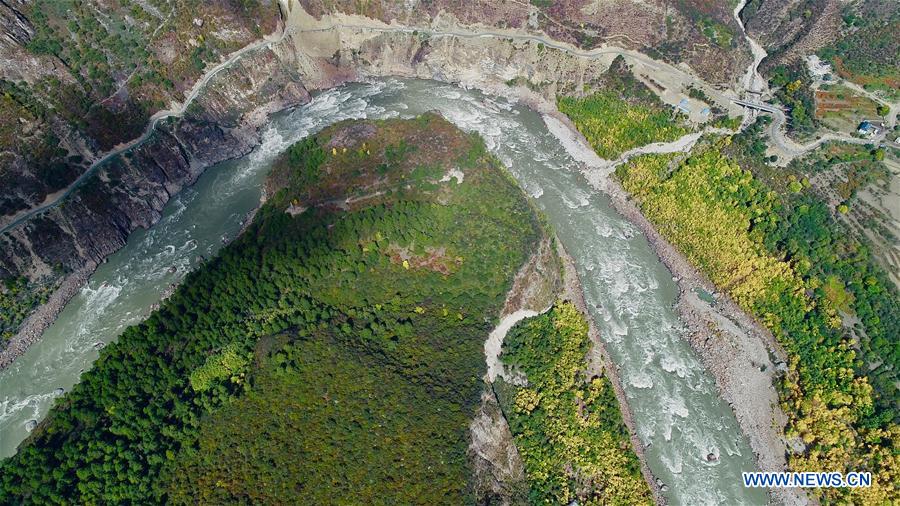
(790, 149)
(686, 77)
(787, 148)
(762, 106)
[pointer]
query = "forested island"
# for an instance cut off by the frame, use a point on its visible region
(335, 349)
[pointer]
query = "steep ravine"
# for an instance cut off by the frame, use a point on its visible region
(220, 114)
(752, 81)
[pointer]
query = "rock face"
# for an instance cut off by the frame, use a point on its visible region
(14, 25)
(79, 78)
(703, 35)
(499, 474)
(130, 190)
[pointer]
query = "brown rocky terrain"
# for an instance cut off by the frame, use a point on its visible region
(79, 78)
(791, 29)
(130, 190)
(703, 35)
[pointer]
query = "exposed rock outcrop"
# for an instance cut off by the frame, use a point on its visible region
(62, 245)
(14, 26)
(498, 472)
(703, 35)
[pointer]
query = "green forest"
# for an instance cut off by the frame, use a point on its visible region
(792, 88)
(784, 258)
(319, 344)
(824, 247)
(567, 426)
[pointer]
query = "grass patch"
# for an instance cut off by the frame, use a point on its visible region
(621, 113)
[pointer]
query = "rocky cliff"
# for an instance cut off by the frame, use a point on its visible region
(701, 34)
(79, 78)
(791, 29)
(53, 251)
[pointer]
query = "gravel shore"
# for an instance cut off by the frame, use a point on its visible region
(740, 354)
(34, 326)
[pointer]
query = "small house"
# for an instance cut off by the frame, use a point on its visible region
(868, 128)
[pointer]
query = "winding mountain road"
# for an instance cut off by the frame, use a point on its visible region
(787, 147)
(178, 110)
(175, 110)
(685, 77)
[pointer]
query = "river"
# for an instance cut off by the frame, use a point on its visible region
(630, 293)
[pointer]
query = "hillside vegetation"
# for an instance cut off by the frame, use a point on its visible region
(334, 349)
(96, 72)
(815, 195)
(567, 426)
(868, 49)
(783, 259)
(620, 113)
(792, 87)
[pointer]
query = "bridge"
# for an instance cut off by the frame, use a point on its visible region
(758, 105)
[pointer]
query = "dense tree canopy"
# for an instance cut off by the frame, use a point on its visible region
(567, 426)
(380, 300)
